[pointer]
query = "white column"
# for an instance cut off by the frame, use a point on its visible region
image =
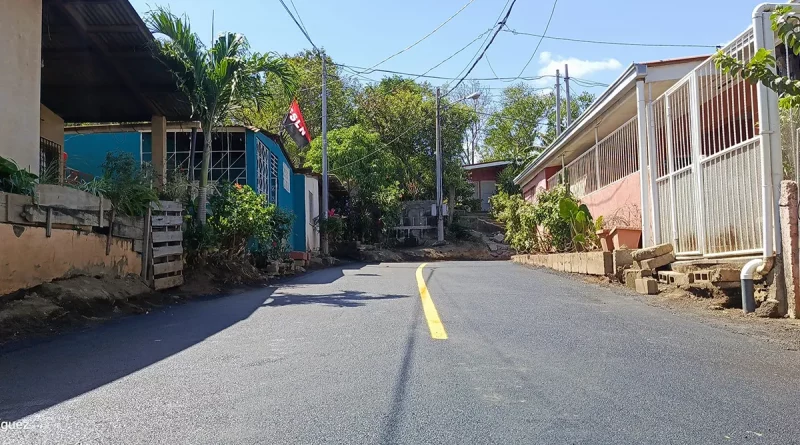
(159, 146)
(641, 111)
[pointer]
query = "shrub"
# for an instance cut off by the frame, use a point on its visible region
(14, 179)
(239, 216)
(332, 227)
(127, 184)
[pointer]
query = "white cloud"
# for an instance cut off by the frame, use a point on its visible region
(577, 67)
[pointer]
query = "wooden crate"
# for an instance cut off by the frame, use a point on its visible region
(165, 258)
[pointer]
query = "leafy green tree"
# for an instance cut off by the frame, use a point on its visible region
(762, 66)
(216, 80)
(525, 123)
(308, 66)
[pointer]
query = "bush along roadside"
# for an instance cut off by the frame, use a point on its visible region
(556, 222)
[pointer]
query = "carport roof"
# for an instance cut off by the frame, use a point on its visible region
(98, 66)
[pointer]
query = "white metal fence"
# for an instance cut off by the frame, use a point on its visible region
(611, 159)
(707, 160)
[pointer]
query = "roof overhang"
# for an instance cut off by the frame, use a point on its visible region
(98, 65)
(486, 165)
(615, 106)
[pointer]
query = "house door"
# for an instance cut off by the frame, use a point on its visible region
(488, 189)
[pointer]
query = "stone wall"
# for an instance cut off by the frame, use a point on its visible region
(590, 263)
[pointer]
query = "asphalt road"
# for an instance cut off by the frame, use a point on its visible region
(345, 355)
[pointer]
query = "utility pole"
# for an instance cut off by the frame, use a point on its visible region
(439, 216)
(324, 215)
(558, 103)
(566, 87)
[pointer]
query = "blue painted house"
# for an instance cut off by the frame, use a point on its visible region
(244, 155)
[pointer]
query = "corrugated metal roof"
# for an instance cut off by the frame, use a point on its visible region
(97, 65)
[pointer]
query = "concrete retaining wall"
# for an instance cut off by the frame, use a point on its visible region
(590, 263)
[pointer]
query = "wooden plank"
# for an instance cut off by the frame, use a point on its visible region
(162, 220)
(3, 207)
(167, 237)
(172, 266)
(146, 241)
(168, 282)
(131, 227)
(49, 224)
(37, 214)
(166, 206)
(159, 252)
(16, 206)
(50, 195)
(138, 247)
(110, 235)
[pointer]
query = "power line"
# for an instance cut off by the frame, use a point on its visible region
(552, 11)
(486, 48)
(420, 40)
(603, 42)
(299, 25)
(298, 14)
(494, 23)
(490, 66)
(402, 73)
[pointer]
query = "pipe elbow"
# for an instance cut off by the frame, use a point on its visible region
(751, 268)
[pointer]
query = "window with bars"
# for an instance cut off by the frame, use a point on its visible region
(49, 162)
(273, 179)
(262, 168)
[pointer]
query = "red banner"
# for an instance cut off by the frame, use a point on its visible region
(295, 125)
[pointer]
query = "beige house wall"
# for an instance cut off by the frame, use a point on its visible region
(29, 258)
(312, 211)
(20, 81)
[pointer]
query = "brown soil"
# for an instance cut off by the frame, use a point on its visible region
(453, 251)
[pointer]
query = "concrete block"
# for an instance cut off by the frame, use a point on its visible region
(647, 286)
(675, 278)
(652, 252)
(655, 263)
(623, 258)
(725, 275)
(632, 274)
(599, 263)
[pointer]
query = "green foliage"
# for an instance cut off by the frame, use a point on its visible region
(525, 123)
(240, 216)
(333, 227)
(128, 185)
(505, 180)
(457, 230)
(761, 67)
(555, 223)
(16, 180)
(217, 80)
(580, 222)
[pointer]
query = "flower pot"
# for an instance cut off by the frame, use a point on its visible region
(606, 242)
(626, 237)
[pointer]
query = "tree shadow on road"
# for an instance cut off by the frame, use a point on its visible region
(340, 299)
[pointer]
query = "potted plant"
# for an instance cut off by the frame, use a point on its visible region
(626, 237)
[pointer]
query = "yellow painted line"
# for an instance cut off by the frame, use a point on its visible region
(434, 322)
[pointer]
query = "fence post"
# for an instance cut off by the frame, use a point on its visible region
(789, 239)
(697, 166)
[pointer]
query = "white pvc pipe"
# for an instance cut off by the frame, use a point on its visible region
(642, 149)
(764, 138)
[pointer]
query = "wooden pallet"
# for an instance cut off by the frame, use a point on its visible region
(165, 256)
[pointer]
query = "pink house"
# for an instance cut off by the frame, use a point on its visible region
(483, 177)
(678, 148)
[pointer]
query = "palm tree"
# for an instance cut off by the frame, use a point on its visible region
(217, 80)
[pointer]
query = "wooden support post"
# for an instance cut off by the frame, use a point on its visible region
(49, 223)
(110, 229)
(146, 245)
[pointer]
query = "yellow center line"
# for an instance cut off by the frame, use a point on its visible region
(434, 322)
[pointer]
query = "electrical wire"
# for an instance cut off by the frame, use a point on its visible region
(500, 26)
(552, 12)
(298, 25)
(494, 23)
(298, 15)
(418, 41)
(490, 66)
(603, 42)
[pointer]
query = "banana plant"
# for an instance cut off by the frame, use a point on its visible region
(580, 222)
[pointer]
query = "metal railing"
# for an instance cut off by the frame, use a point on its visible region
(611, 159)
(707, 160)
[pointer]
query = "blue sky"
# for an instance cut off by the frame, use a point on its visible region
(362, 33)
